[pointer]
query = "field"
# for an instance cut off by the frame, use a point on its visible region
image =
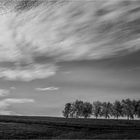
(22, 127)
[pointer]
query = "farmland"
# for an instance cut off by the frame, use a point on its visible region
(23, 127)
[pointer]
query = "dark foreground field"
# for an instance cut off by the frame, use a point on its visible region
(49, 127)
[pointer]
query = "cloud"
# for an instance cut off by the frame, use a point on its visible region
(47, 32)
(28, 74)
(47, 89)
(5, 103)
(4, 92)
(13, 88)
(6, 112)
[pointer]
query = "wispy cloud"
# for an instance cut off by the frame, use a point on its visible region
(67, 72)
(5, 103)
(47, 89)
(7, 112)
(13, 88)
(28, 73)
(64, 31)
(4, 92)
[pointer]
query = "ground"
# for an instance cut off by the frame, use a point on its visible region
(22, 127)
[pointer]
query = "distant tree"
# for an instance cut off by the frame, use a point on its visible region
(117, 109)
(135, 105)
(137, 108)
(67, 110)
(97, 109)
(106, 109)
(72, 111)
(128, 109)
(78, 108)
(87, 109)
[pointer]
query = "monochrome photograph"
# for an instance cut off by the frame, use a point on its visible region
(69, 69)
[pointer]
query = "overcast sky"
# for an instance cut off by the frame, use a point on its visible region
(57, 52)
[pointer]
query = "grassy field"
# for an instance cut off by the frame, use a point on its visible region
(21, 127)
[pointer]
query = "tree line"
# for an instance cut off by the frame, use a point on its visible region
(124, 108)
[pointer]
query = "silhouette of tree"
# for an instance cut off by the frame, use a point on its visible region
(135, 104)
(67, 110)
(106, 109)
(117, 109)
(87, 109)
(78, 108)
(137, 108)
(97, 109)
(72, 111)
(128, 109)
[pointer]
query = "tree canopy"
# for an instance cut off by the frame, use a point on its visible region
(125, 108)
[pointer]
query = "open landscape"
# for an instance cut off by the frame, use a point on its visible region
(23, 127)
(69, 69)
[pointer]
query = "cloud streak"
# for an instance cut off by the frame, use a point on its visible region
(4, 92)
(5, 103)
(47, 32)
(29, 73)
(12, 88)
(47, 89)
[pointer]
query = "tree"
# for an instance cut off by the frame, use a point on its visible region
(135, 105)
(106, 109)
(78, 108)
(117, 109)
(87, 109)
(137, 108)
(97, 109)
(67, 110)
(128, 109)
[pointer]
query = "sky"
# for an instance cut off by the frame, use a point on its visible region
(54, 52)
